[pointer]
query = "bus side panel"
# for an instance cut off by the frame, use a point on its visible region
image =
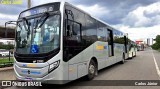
(81, 62)
(73, 72)
(118, 52)
(82, 69)
(101, 53)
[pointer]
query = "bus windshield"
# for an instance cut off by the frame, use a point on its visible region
(38, 36)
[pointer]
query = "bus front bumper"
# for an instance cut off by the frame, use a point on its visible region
(47, 79)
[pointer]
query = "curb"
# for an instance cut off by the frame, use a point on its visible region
(6, 68)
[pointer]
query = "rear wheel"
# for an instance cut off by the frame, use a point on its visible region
(92, 70)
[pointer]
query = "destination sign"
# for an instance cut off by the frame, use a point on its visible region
(41, 9)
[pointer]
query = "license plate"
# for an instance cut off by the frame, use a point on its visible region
(28, 79)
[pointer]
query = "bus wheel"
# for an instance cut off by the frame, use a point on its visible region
(123, 59)
(92, 70)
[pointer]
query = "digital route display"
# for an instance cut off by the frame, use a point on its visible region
(41, 9)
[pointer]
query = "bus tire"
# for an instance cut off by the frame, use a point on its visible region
(123, 59)
(92, 70)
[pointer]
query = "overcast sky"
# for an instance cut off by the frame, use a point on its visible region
(139, 18)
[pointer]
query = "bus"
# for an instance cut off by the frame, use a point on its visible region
(140, 47)
(58, 41)
(132, 49)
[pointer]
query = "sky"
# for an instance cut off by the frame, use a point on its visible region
(139, 18)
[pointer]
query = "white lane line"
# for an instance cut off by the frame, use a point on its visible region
(156, 65)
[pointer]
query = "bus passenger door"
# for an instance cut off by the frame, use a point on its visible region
(110, 43)
(72, 48)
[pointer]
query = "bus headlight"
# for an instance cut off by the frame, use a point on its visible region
(54, 65)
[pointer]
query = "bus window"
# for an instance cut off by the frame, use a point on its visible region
(110, 43)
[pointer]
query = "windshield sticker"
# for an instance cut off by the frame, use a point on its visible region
(34, 49)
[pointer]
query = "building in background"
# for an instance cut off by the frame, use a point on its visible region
(148, 41)
(10, 32)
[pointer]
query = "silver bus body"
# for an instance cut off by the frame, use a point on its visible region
(71, 63)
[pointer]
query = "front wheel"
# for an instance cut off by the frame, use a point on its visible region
(92, 70)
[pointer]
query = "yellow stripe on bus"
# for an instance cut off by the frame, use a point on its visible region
(31, 65)
(99, 47)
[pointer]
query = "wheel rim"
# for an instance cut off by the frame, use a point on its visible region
(91, 69)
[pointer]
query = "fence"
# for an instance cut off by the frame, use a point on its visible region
(6, 59)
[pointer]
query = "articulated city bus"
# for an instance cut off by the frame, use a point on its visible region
(58, 41)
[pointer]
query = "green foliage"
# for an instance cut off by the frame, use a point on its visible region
(156, 45)
(4, 60)
(9, 46)
(158, 39)
(121, 40)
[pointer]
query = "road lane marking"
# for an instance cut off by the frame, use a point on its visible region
(156, 65)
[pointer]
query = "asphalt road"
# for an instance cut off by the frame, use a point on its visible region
(142, 67)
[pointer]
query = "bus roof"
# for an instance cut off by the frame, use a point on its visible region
(66, 3)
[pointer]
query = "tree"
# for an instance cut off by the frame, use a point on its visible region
(156, 45)
(158, 39)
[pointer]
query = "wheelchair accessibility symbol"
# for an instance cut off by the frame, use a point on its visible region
(34, 49)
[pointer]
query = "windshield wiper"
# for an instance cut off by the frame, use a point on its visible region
(26, 26)
(42, 20)
(19, 26)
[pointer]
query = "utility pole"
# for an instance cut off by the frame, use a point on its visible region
(29, 4)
